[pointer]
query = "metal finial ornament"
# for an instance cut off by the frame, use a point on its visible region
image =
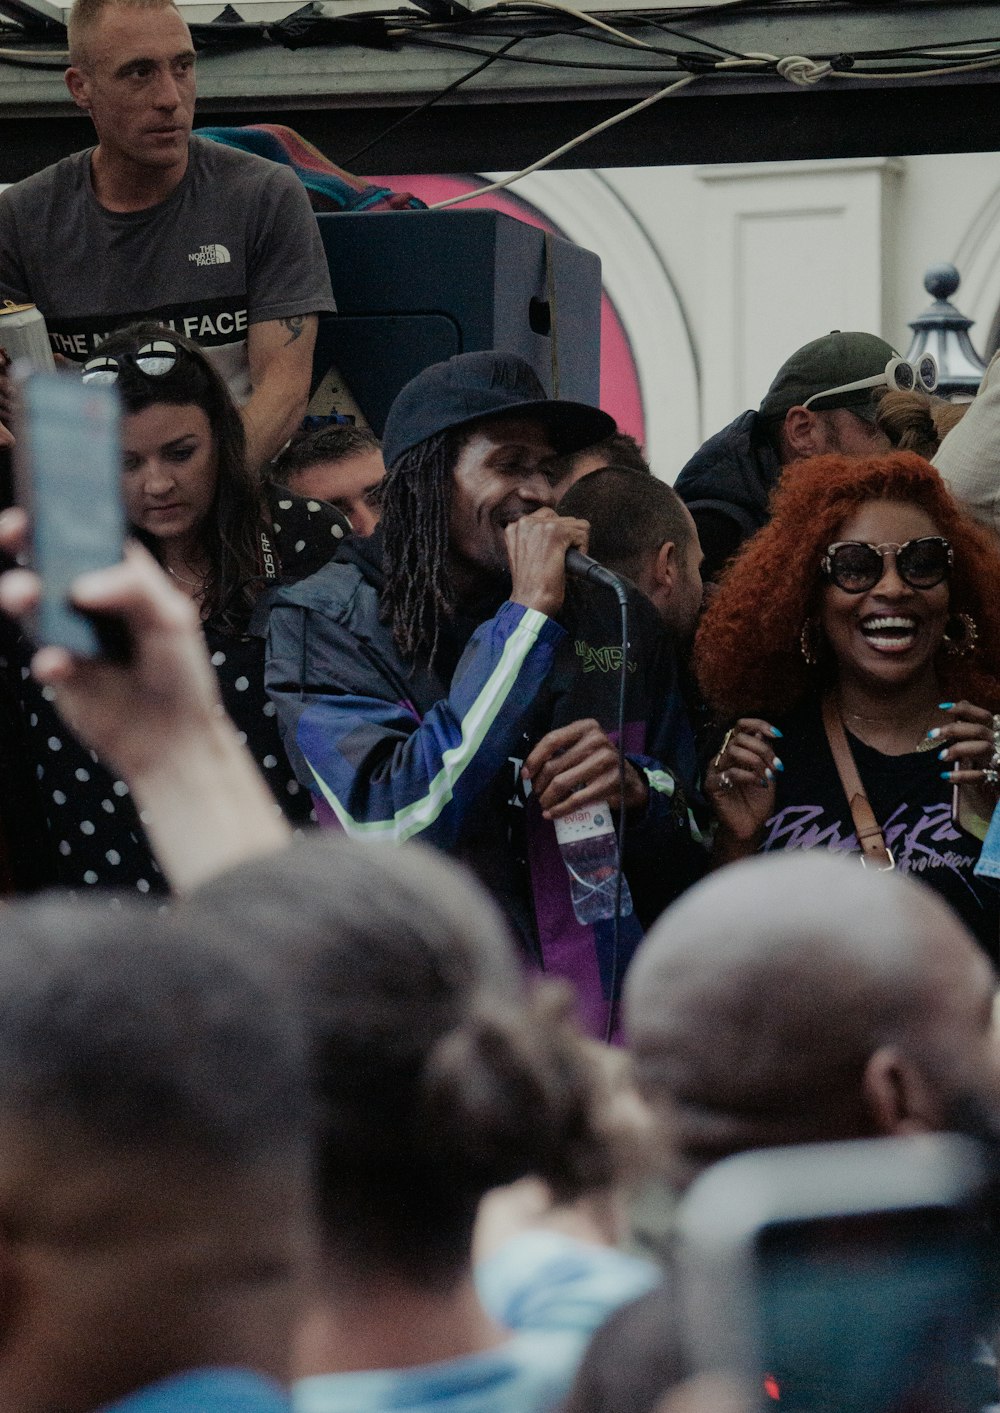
(943, 331)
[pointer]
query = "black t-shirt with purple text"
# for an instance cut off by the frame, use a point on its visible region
(911, 802)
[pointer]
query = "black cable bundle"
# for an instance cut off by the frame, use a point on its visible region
(310, 28)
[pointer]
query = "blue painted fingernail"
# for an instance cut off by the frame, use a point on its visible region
(769, 773)
(934, 733)
(777, 764)
(946, 775)
(776, 732)
(942, 755)
(945, 706)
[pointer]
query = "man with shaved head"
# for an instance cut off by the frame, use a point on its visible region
(157, 223)
(641, 528)
(784, 1000)
(801, 999)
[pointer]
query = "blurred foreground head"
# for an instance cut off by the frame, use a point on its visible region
(436, 1076)
(152, 1145)
(800, 999)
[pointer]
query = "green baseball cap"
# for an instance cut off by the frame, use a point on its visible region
(827, 364)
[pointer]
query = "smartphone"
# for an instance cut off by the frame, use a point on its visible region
(842, 1277)
(67, 474)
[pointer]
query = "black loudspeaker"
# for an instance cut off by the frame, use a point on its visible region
(415, 287)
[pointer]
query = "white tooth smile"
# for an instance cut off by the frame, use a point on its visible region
(878, 625)
(889, 633)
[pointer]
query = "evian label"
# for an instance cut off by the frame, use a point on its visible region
(211, 255)
(588, 822)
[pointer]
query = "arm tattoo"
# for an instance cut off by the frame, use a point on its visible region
(295, 323)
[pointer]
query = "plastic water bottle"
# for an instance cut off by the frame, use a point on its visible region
(590, 852)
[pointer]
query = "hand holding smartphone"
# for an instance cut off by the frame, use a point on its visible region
(843, 1277)
(67, 470)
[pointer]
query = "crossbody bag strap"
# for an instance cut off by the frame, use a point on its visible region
(874, 849)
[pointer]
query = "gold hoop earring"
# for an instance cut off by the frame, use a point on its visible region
(963, 642)
(810, 641)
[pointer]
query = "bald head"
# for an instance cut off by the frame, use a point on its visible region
(85, 16)
(758, 1003)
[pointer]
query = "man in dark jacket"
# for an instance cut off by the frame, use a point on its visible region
(808, 411)
(440, 679)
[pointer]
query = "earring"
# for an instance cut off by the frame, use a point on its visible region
(809, 641)
(963, 641)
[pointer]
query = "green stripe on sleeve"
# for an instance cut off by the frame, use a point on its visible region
(417, 815)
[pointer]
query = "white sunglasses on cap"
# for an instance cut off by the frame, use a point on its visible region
(900, 374)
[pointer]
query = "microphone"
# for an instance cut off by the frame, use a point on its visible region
(581, 566)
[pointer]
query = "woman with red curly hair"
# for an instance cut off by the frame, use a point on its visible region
(861, 629)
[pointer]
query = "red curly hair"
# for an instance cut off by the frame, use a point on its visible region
(748, 657)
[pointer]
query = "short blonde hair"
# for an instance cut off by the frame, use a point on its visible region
(85, 14)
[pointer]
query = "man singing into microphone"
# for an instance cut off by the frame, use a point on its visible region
(439, 679)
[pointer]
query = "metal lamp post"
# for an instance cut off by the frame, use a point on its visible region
(943, 331)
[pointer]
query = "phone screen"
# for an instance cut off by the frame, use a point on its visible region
(870, 1314)
(68, 467)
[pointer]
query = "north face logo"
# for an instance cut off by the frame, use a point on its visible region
(211, 255)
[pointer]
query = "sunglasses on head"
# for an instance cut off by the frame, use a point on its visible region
(857, 567)
(154, 359)
(899, 374)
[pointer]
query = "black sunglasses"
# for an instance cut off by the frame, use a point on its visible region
(857, 567)
(155, 359)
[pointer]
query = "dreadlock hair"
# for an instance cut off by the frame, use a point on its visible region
(416, 519)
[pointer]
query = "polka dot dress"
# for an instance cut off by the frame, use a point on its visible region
(92, 821)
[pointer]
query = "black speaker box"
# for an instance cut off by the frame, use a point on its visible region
(415, 287)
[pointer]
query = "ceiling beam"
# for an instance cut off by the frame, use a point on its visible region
(341, 98)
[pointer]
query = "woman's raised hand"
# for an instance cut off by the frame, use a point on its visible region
(740, 782)
(969, 753)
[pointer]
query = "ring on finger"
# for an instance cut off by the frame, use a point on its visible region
(724, 781)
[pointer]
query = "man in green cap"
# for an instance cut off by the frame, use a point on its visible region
(812, 407)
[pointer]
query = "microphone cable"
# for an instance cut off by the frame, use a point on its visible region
(622, 596)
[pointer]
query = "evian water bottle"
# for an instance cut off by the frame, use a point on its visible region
(590, 852)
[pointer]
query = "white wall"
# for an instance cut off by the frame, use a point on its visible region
(720, 272)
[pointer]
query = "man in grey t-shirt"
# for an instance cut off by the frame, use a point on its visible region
(156, 223)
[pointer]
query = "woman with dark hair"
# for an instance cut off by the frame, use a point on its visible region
(437, 1076)
(854, 649)
(225, 540)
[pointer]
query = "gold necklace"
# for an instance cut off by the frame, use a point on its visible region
(191, 583)
(925, 743)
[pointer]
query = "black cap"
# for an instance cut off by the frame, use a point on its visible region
(825, 364)
(473, 386)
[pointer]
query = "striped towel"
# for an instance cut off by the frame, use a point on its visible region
(330, 188)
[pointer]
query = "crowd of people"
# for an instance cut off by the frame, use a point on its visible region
(287, 1115)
